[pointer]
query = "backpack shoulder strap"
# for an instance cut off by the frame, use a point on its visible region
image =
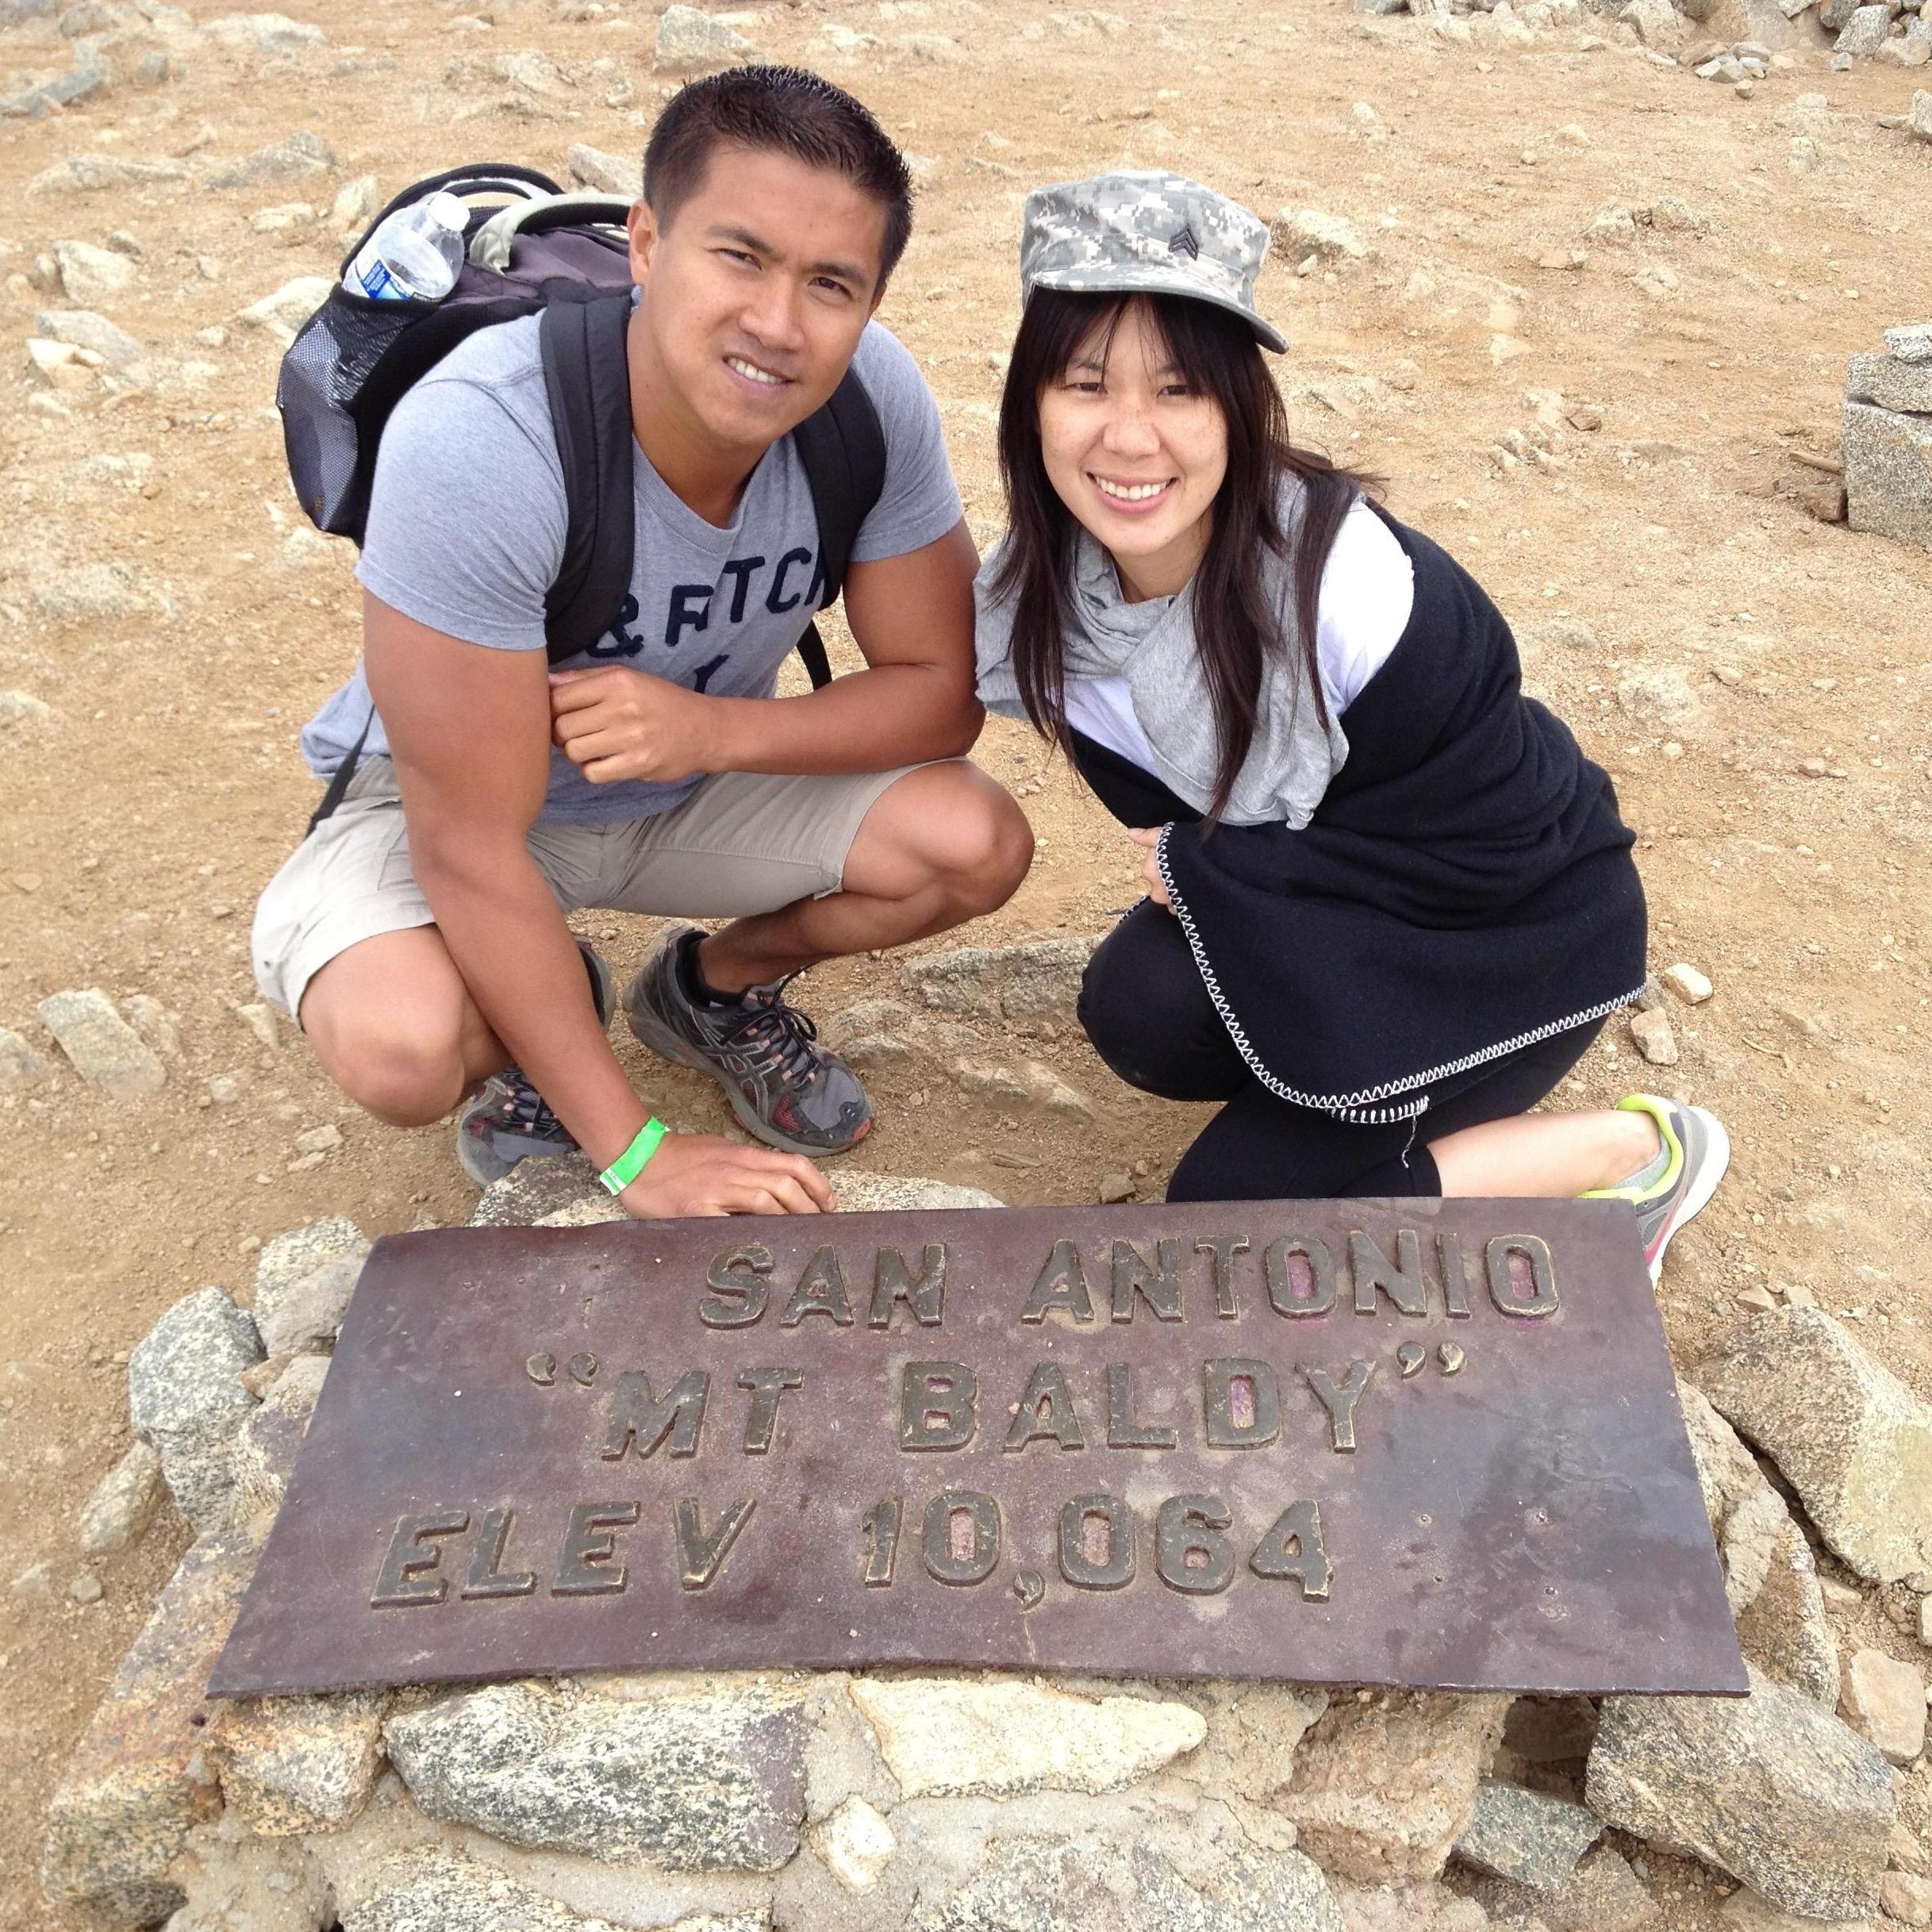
(588, 381)
(843, 447)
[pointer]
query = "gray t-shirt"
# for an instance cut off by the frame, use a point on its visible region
(466, 526)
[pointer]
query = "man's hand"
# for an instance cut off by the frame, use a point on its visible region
(705, 1174)
(615, 724)
(1148, 838)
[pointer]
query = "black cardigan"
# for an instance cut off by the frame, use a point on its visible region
(1464, 889)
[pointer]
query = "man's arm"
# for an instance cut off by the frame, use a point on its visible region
(910, 617)
(469, 731)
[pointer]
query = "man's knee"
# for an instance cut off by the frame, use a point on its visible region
(407, 1074)
(981, 843)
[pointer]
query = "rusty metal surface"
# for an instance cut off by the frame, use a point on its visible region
(1375, 1443)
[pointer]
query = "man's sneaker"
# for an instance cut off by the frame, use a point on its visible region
(782, 1085)
(507, 1120)
(1676, 1187)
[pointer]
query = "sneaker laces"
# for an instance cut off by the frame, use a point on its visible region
(779, 1036)
(522, 1105)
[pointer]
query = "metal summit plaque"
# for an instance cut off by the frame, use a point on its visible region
(1406, 1443)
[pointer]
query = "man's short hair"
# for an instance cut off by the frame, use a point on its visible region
(780, 110)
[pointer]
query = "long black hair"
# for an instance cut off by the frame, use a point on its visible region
(1236, 626)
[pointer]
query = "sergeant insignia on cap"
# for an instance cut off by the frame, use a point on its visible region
(1184, 241)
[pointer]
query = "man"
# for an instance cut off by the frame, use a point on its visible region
(418, 934)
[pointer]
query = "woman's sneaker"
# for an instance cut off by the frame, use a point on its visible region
(783, 1086)
(1678, 1184)
(507, 1120)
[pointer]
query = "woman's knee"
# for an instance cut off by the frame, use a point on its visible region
(1147, 1014)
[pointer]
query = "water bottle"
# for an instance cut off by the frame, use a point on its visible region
(414, 255)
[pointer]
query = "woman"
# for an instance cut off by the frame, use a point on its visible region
(1390, 904)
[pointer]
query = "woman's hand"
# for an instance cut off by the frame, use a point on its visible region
(615, 724)
(1147, 837)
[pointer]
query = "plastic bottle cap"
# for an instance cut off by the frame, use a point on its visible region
(447, 211)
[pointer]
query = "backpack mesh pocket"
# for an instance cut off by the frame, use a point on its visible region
(323, 376)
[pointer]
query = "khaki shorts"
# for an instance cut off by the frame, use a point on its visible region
(741, 843)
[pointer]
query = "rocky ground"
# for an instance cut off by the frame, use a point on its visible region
(1589, 314)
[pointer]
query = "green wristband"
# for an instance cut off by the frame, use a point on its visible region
(630, 1164)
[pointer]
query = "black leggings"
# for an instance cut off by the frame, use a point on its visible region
(1145, 1009)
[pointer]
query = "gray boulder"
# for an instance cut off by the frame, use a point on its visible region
(271, 1438)
(297, 1317)
(696, 1780)
(94, 174)
(1526, 1835)
(1770, 1579)
(288, 1260)
(1768, 1788)
(1041, 1884)
(138, 1782)
(187, 1402)
(1851, 1438)
(1865, 32)
(1888, 454)
(1034, 984)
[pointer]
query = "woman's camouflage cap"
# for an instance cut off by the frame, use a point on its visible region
(1150, 233)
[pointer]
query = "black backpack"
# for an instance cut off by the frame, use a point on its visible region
(533, 249)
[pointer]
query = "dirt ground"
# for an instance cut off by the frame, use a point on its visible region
(1705, 636)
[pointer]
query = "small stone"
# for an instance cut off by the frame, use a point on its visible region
(1304, 231)
(1760, 1301)
(1526, 1835)
(1885, 1701)
(1746, 1910)
(1690, 986)
(1912, 342)
(122, 1504)
(1770, 1788)
(856, 1844)
(86, 1588)
(355, 202)
(20, 1066)
(87, 330)
(288, 307)
(224, 1089)
(1655, 1041)
(857, 1193)
(260, 1019)
(1114, 1189)
(1917, 121)
(186, 1399)
(155, 1024)
(90, 275)
(1383, 1786)
(324, 1139)
(295, 1765)
(106, 1051)
(1604, 1894)
(951, 1738)
(610, 174)
(264, 33)
(1907, 1898)
(689, 42)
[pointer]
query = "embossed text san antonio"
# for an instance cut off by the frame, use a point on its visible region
(1401, 1442)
